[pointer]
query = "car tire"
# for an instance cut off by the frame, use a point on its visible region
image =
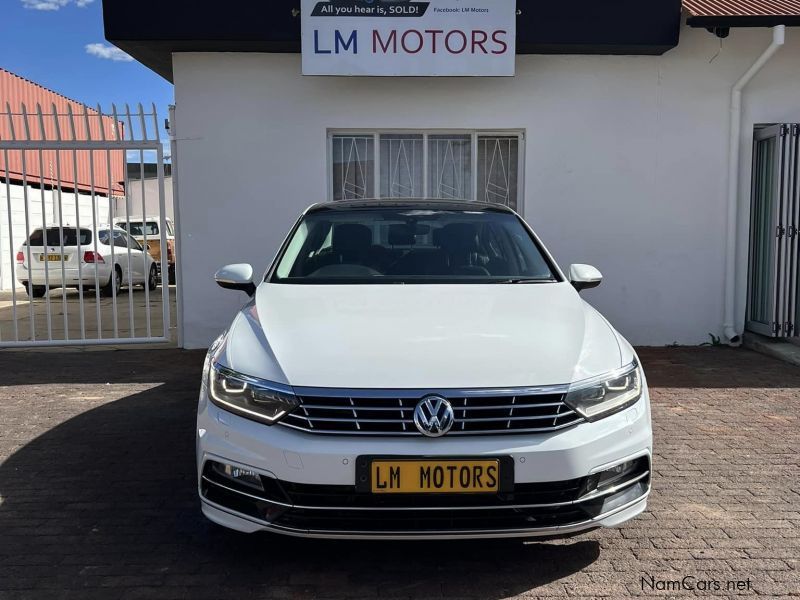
(171, 274)
(152, 278)
(34, 291)
(114, 284)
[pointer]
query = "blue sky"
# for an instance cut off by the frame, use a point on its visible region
(60, 45)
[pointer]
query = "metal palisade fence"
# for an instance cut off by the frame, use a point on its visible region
(87, 248)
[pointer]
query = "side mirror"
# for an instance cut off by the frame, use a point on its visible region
(583, 277)
(236, 277)
(148, 248)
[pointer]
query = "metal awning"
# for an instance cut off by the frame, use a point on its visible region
(153, 30)
(741, 13)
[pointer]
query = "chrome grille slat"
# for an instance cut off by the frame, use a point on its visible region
(457, 408)
(452, 432)
(510, 419)
(350, 408)
(507, 411)
(355, 421)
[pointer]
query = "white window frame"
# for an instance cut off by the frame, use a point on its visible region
(425, 133)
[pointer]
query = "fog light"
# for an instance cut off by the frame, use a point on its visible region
(239, 474)
(616, 473)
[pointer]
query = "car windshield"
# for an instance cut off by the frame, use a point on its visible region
(410, 245)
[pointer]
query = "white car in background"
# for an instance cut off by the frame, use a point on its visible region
(420, 369)
(83, 258)
(147, 232)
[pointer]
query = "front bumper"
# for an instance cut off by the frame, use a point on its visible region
(309, 481)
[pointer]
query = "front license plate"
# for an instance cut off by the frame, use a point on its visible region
(435, 476)
(51, 257)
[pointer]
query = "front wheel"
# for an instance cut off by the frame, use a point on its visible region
(114, 284)
(152, 278)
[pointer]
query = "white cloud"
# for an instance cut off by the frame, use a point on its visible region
(53, 4)
(44, 4)
(108, 52)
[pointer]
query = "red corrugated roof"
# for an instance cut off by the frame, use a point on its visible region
(742, 8)
(16, 91)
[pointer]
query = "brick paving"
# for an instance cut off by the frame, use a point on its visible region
(97, 497)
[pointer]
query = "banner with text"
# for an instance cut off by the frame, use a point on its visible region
(409, 38)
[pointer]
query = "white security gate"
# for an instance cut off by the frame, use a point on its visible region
(86, 250)
(772, 307)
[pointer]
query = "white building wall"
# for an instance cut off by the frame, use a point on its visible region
(148, 192)
(625, 164)
(39, 203)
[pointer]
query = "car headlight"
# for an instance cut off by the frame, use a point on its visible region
(600, 399)
(249, 397)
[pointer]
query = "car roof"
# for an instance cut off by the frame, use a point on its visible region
(71, 227)
(409, 203)
(133, 219)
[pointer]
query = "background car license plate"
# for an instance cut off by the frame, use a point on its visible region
(434, 476)
(51, 257)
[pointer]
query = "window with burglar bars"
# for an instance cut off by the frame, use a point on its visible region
(463, 165)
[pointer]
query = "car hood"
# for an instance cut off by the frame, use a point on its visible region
(421, 336)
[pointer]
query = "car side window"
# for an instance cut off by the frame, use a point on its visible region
(134, 244)
(121, 240)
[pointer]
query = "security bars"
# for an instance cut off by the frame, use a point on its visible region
(462, 165)
(66, 205)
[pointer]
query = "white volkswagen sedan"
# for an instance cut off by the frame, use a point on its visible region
(420, 369)
(101, 260)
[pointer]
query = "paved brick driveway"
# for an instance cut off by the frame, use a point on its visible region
(97, 496)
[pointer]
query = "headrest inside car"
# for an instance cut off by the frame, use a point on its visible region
(401, 235)
(458, 237)
(349, 237)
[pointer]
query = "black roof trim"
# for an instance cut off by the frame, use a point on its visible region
(741, 21)
(409, 203)
(151, 30)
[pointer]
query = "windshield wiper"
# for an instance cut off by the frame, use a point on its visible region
(525, 280)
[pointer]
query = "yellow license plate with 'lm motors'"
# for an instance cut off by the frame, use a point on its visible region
(434, 476)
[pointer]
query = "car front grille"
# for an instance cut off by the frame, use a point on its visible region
(477, 412)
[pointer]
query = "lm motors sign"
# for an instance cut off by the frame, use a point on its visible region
(408, 38)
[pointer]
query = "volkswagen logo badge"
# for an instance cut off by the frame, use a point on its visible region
(434, 416)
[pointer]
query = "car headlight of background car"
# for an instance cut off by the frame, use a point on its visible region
(604, 398)
(249, 397)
